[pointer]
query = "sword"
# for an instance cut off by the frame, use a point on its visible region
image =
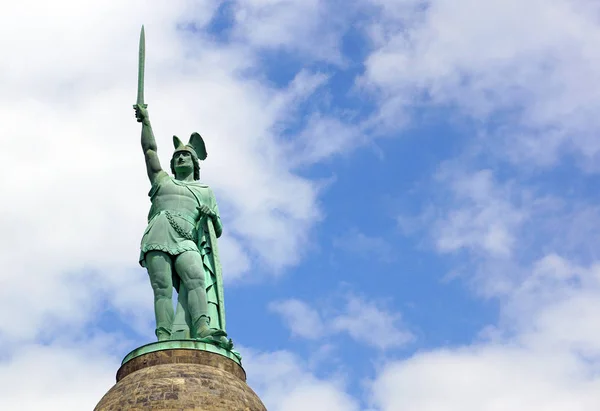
(141, 62)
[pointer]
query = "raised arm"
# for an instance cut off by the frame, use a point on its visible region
(148, 143)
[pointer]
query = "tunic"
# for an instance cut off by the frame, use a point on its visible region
(173, 200)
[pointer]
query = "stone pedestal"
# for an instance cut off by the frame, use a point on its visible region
(180, 379)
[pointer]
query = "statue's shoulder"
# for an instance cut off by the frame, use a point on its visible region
(202, 190)
(160, 178)
(202, 186)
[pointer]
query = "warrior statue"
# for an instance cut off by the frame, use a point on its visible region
(179, 245)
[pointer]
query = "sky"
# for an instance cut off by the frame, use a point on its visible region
(409, 194)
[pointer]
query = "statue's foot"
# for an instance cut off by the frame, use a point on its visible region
(163, 334)
(220, 341)
(226, 343)
(210, 333)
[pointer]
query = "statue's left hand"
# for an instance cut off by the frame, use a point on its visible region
(204, 209)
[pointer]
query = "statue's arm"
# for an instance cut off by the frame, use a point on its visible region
(218, 226)
(149, 148)
(217, 218)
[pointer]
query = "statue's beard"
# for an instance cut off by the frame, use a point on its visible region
(184, 168)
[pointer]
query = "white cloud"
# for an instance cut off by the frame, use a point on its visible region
(304, 321)
(483, 215)
(488, 379)
(542, 356)
(285, 383)
(325, 136)
(307, 27)
(554, 307)
(58, 377)
(365, 321)
(492, 224)
(544, 351)
(371, 324)
(528, 65)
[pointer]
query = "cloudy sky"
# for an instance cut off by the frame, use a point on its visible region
(409, 191)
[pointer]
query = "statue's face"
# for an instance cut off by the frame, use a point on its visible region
(183, 161)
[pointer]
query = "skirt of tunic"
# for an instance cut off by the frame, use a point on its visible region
(161, 236)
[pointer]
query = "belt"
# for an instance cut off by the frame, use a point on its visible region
(189, 235)
(186, 217)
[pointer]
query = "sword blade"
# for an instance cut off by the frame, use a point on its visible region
(141, 64)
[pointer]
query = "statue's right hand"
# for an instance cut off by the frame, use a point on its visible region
(141, 113)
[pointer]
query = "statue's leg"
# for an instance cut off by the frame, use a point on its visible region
(190, 269)
(160, 266)
(182, 323)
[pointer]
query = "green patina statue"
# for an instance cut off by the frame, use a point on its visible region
(179, 245)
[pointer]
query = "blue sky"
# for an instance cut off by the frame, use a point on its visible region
(408, 190)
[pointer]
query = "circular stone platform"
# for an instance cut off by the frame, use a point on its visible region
(180, 379)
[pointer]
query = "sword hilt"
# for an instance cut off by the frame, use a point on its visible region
(142, 105)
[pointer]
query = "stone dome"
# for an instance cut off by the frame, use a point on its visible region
(181, 379)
